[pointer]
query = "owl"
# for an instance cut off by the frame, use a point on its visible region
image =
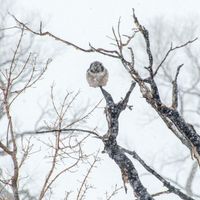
(97, 75)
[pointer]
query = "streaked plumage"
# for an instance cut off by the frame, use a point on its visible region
(97, 74)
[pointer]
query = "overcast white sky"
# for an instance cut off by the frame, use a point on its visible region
(84, 21)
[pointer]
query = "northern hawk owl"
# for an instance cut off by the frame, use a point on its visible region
(97, 74)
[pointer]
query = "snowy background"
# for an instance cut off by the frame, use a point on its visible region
(141, 130)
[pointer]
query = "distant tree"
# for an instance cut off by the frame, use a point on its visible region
(19, 71)
(21, 68)
(189, 80)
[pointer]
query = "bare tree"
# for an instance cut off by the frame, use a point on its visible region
(21, 68)
(65, 153)
(13, 73)
(188, 87)
(145, 78)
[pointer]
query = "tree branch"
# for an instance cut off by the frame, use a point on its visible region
(129, 173)
(167, 184)
(171, 49)
(175, 89)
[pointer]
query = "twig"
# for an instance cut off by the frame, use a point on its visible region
(171, 49)
(175, 89)
(41, 33)
(114, 192)
(81, 191)
(64, 130)
(145, 34)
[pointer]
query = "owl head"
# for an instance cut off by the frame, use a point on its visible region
(96, 67)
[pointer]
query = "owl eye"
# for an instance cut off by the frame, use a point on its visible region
(93, 68)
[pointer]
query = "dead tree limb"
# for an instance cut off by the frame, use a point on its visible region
(171, 189)
(129, 173)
